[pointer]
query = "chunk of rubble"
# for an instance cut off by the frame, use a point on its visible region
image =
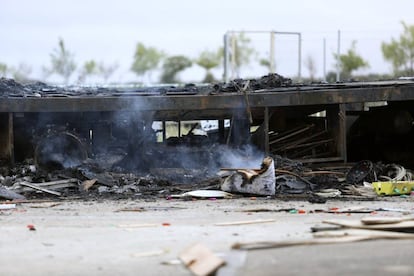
(204, 194)
(9, 194)
(252, 181)
(200, 260)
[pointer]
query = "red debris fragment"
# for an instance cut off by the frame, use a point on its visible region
(31, 227)
(166, 224)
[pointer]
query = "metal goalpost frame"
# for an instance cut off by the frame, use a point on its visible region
(229, 43)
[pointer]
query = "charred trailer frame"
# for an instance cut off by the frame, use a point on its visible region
(305, 122)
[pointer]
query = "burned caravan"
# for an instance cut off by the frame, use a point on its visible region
(159, 127)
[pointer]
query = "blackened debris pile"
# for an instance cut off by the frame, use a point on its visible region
(362, 171)
(367, 171)
(266, 82)
(11, 88)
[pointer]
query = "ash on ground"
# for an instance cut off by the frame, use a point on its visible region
(93, 180)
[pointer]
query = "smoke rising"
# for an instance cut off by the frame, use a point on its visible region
(247, 156)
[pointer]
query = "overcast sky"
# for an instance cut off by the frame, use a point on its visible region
(109, 30)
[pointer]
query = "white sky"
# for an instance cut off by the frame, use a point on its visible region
(109, 30)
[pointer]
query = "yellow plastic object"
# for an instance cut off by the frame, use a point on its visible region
(393, 187)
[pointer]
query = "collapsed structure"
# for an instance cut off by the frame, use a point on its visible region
(158, 129)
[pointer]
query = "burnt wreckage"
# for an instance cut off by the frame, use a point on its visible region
(154, 129)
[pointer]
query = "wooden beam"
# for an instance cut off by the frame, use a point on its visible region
(10, 140)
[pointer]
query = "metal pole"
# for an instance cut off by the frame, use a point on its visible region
(226, 57)
(300, 56)
(272, 68)
(233, 55)
(324, 59)
(338, 60)
(230, 57)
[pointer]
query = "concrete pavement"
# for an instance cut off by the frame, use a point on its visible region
(95, 238)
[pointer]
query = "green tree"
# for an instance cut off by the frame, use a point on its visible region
(3, 70)
(20, 74)
(241, 52)
(89, 68)
(350, 61)
(172, 66)
(400, 53)
(265, 62)
(146, 59)
(62, 62)
(209, 60)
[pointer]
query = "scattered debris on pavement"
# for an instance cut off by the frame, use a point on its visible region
(7, 206)
(150, 253)
(345, 231)
(9, 194)
(278, 177)
(279, 244)
(87, 184)
(44, 205)
(244, 222)
(328, 193)
(31, 227)
(204, 194)
(252, 181)
(200, 260)
(149, 208)
(137, 225)
(393, 187)
(385, 220)
(397, 224)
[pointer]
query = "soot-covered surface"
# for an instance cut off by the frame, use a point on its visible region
(11, 88)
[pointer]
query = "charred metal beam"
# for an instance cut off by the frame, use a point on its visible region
(263, 98)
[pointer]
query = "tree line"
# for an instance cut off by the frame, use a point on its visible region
(399, 52)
